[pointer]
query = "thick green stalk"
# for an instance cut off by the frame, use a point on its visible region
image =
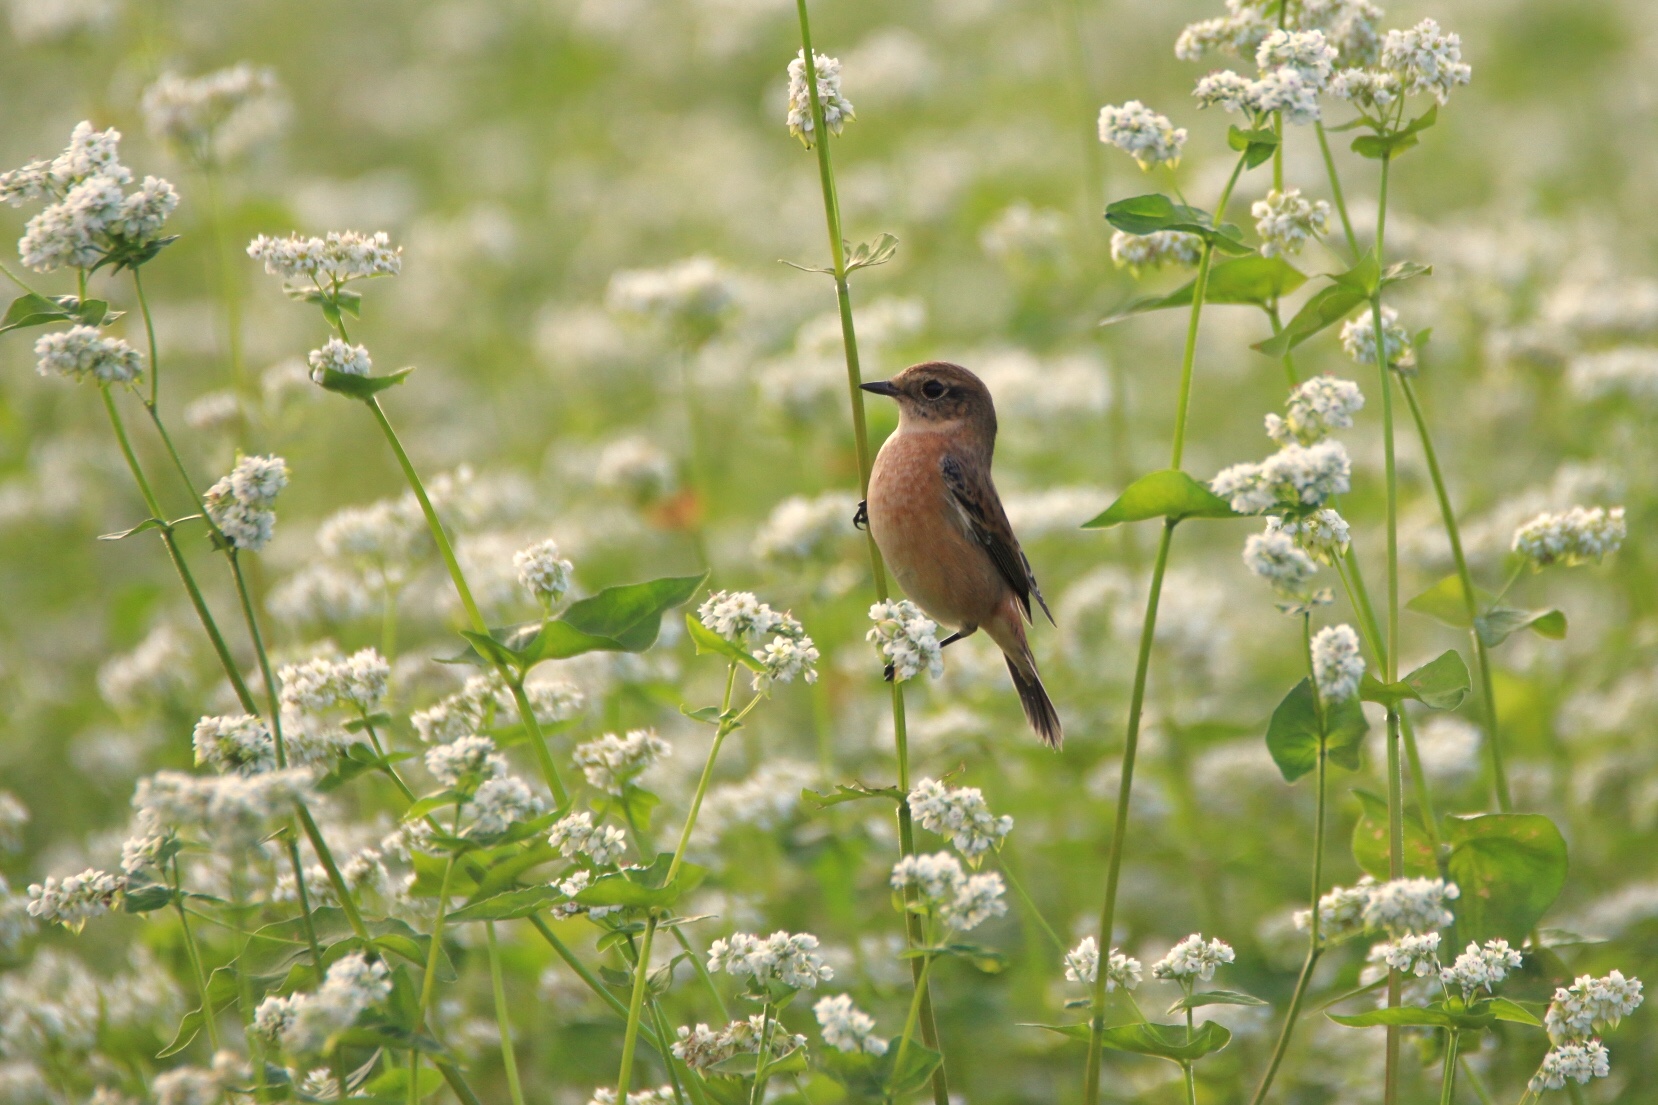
(860, 438)
(636, 1008)
(1448, 1080)
(1470, 603)
(757, 1091)
(502, 1021)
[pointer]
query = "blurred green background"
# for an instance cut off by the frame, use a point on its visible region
(524, 152)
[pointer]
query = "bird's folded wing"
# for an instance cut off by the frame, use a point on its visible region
(987, 522)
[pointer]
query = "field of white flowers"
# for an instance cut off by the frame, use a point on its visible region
(438, 660)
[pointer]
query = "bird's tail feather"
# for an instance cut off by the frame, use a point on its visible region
(1039, 708)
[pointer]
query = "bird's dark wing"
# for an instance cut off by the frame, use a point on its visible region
(987, 522)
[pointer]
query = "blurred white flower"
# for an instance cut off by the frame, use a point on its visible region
(906, 639)
(83, 351)
(338, 356)
(1286, 221)
(240, 503)
(543, 573)
(836, 108)
(1275, 557)
(1082, 964)
(846, 1027)
(340, 256)
(1338, 663)
(961, 814)
(216, 116)
(1577, 536)
(1426, 59)
(1142, 133)
(802, 529)
(1193, 958)
(612, 762)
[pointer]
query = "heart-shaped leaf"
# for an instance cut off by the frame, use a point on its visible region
(1152, 213)
(1256, 145)
(1510, 867)
(525, 902)
(1370, 841)
(709, 643)
(1498, 623)
(1167, 1041)
(1440, 684)
(1445, 604)
(643, 887)
(1293, 733)
(1170, 494)
(1252, 280)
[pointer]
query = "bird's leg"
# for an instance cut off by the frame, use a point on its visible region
(888, 672)
(860, 520)
(964, 631)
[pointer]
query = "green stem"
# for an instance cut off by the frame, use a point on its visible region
(1335, 189)
(562, 950)
(149, 331)
(756, 1092)
(1030, 905)
(1291, 377)
(1448, 1079)
(700, 965)
(914, 1015)
(228, 288)
(1200, 288)
(304, 895)
(429, 984)
(508, 1059)
(1470, 602)
(209, 1016)
(325, 857)
(636, 1006)
(1475, 1081)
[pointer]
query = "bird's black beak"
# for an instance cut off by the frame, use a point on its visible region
(881, 387)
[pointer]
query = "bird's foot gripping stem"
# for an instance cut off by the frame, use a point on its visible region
(888, 672)
(860, 517)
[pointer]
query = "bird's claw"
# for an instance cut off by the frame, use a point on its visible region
(888, 672)
(860, 517)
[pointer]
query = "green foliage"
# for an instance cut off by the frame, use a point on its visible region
(1440, 684)
(1170, 494)
(617, 619)
(1153, 213)
(1298, 728)
(1251, 280)
(1510, 868)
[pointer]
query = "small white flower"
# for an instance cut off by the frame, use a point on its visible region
(1226, 89)
(543, 573)
(1308, 53)
(837, 109)
(467, 759)
(637, 468)
(1481, 968)
(1404, 906)
(1323, 535)
(234, 744)
(906, 639)
(1140, 252)
(693, 292)
(1285, 90)
(1367, 88)
(1285, 221)
(1241, 486)
(1142, 133)
(1590, 1005)
(83, 351)
(1276, 558)
(1411, 955)
(75, 900)
(612, 763)
(789, 958)
(1577, 536)
(338, 356)
(502, 802)
(340, 256)
(240, 503)
(846, 1027)
(577, 835)
(1358, 338)
(785, 658)
(1426, 59)
(1577, 1062)
(800, 529)
(1340, 911)
(1318, 405)
(1082, 964)
(961, 814)
(1337, 663)
(217, 115)
(1193, 958)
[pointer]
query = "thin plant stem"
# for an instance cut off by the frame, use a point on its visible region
(756, 1092)
(636, 1006)
(1448, 1079)
(699, 964)
(860, 438)
(1191, 1078)
(1200, 287)
(209, 1019)
(304, 894)
(1335, 188)
(912, 1016)
(149, 332)
(1493, 742)
(1018, 885)
(229, 290)
(429, 983)
(1475, 1081)
(503, 1022)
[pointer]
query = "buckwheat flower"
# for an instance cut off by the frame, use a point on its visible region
(662, 1095)
(1285, 90)
(1239, 32)
(978, 900)
(302, 1023)
(83, 351)
(846, 1027)
(361, 678)
(1226, 89)
(1404, 906)
(1340, 911)
(783, 957)
(1308, 475)
(907, 639)
(144, 212)
(554, 701)
(1426, 59)
(1577, 1062)
(1480, 968)
(240, 744)
(1276, 558)
(543, 573)
(257, 481)
(743, 619)
(186, 1086)
(785, 658)
(89, 153)
(1323, 535)
(460, 714)
(695, 291)
(1242, 487)
(1590, 1005)
(1367, 88)
(800, 529)
(1349, 25)
(1140, 252)
(1193, 958)
(1142, 133)
(837, 109)
(937, 877)
(502, 802)
(1577, 536)
(961, 814)
(1308, 53)
(14, 818)
(612, 763)
(1285, 221)
(341, 256)
(1411, 955)
(1337, 662)
(70, 233)
(77, 899)
(1082, 964)
(240, 503)
(321, 1085)
(1358, 338)
(702, 1048)
(217, 115)
(577, 835)
(469, 758)
(337, 356)
(1318, 405)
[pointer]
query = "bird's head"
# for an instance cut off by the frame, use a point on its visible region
(941, 397)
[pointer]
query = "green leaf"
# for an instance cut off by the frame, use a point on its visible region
(1444, 602)
(919, 1064)
(643, 887)
(1170, 494)
(1293, 732)
(851, 793)
(361, 387)
(1404, 1015)
(1387, 145)
(1398, 273)
(1256, 145)
(1326, 307)
(709, 643)
(509, 904)
(1215, 997)
(1498, 623)
(1252, 280)
(631, 615)
(869, 254)
(1510, 867)
(708, 715)
(1167, 1041)
(34, 310)
(1152, 213)
(146, 898)
(1440, 684)
(1506, 1010)
(1370, 844)
(392, 1084)
(986, 960)
(222, 992)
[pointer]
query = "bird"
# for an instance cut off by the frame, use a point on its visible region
(933, 511)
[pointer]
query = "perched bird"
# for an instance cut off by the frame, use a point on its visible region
(935, 515)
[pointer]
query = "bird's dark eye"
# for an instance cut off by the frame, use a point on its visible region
(932, 389)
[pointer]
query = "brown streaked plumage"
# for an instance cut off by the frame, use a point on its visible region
(934, 512)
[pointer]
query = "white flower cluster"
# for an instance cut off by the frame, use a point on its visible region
(661, 1095)
(217, 115)
(961, 814)
(240, 744)
(764, 800)
(577, 835)
(1276, 557)
(1571, 1062)
(358, 682)
(1286, 221)
(1481, 968)
(302, 1023)
(1591, 1005)
(1410, 954)
(77, 899)
(1142, 134)
(907, 639)
(240, 503)
(637, 468)
(800, 529)
(1296, 475)
(837, 109)
(1358, 338)
(1139, 252)
(1399, 907)
(961, 901)
(1294, 67)
(744, 620)
(470, 759)
(1323, 535)
(1194, 958)
(701, 1048)
(226, 810)
(1577, 536)
(846, 1027)
(1338, 665)
(1421, 59)
(88, 213)
(1348, 25)
(83, 351)
(612, 763)
(340, 256)
(543, 573)
(789, 958)
(693, 291)
(1082, 964)
(502, 802)
(1316, 406)
(470, 709)
(338, 356)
